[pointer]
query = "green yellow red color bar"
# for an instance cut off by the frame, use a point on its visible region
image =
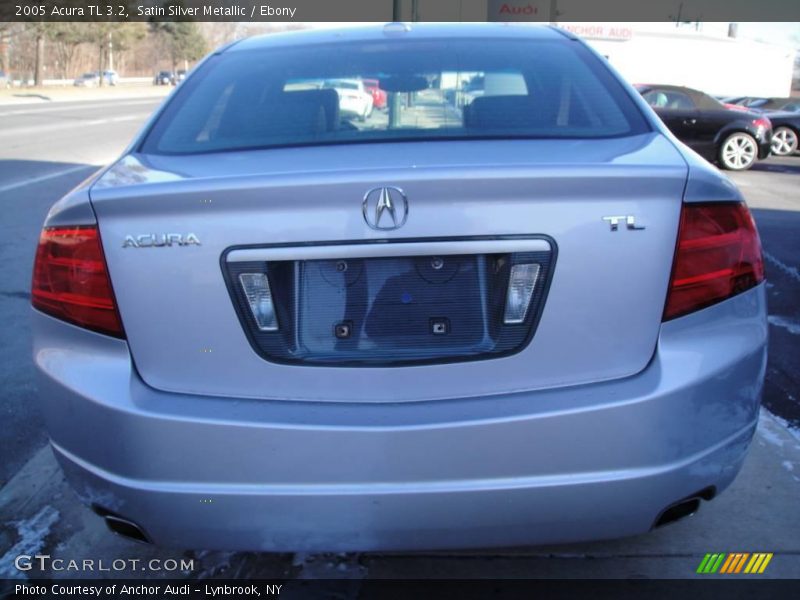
(735, 562)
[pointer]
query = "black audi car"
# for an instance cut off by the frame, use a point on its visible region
(760, 103)
(785, 132)
(734, 139)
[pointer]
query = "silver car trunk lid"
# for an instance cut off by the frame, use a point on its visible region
(167, 222)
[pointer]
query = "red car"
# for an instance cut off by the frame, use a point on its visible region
(378, 95)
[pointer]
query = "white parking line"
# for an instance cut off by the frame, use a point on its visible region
(792, 327)
(790, 271)
(47, 177)
(75, 106)
(72, 125)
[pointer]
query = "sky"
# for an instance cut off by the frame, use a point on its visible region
(784, 34)
(781, 33)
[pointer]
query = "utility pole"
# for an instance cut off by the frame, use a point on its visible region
(678, 18)
(39, 58)
(394, 97)
(100, 62)
(414, 18)
(553, 12)
(110, 53)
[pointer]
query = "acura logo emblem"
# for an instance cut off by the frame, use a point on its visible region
(385, 208)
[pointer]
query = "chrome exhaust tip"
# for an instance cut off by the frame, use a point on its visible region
(683, 508)
(122, 526)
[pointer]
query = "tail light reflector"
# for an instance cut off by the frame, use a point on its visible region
(259, 297)
(521, 283)
(718, 256)
(762, 123)
(70, 280)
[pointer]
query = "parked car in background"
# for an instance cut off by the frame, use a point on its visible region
(354, 99)
(471, 89)
(765, 104)
(110, 77)
(180, 75)
(785, 132)
(785, 121)
(733, 139)
(379, 96)
(541, 320)
(92, 79)
(163, 78)
(738, 107)
(5, 81)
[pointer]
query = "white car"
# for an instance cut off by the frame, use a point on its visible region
(111, 77)
(87, 80)
(354, 99)
(92, 79)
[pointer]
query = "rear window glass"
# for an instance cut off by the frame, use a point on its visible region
(426, 90)
(659, 98)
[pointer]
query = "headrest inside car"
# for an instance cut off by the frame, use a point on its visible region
(502, 112)
(328, 99)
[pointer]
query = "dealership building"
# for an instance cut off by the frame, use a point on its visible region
(707, 56)
(723, 59)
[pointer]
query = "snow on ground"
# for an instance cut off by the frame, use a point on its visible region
(793, 431)
(32, 533)
(792, 327)
(328, 566)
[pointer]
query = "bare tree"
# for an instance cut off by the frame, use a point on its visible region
(121, 35)
(220, 32)
(6, 31)
(39, 32)
(182, 40)
(66, 39)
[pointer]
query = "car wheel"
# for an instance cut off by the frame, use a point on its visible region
(738, 152)
(784, 141)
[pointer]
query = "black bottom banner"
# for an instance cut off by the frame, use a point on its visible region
(387, 589)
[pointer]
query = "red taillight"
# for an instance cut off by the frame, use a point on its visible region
(718, 256)
(70, 279)
(763, 122)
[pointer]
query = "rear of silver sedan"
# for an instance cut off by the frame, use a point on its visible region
(526, 316)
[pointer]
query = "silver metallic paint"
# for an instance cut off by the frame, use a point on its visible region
(558, 465)
(513, 451)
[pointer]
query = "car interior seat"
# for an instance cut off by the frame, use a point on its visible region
(505, 112)
(327, 98)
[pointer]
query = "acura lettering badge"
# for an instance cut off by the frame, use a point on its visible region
(385, 208)
(159, 240)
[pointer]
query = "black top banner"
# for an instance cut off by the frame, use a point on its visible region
(399, 10)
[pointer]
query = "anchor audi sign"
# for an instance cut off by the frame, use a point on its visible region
(599, 31)
(519, 10)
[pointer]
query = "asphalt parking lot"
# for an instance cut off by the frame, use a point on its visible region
(46, 149)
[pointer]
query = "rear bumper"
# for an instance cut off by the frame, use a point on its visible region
(765, 147)
(578, 463)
